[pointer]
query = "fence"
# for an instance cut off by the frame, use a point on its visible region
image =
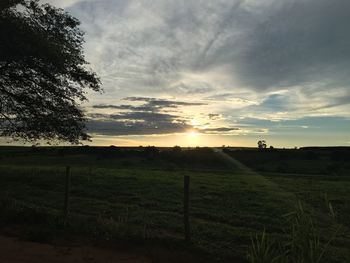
(75, 191)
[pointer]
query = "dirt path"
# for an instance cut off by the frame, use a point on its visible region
(13, 250)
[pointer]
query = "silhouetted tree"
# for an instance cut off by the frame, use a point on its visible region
(176, 149)
(151, 152)
(262, 144)
(43, 74)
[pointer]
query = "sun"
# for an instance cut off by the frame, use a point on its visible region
(192, 134)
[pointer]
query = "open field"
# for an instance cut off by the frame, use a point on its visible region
(134, 196)
(333, 161)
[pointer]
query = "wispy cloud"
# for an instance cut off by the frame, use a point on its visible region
(231, 60)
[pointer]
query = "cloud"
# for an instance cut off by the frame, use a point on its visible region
(214, 116)
(150, 118)
(61, 3)
(114, 127)
(231, 60)
(211, 48)
(164, 103)
(142, 120)
(161, 46)
(119, 128)
(220, 130)
(298, 42)
(149, 104)
(121, 107)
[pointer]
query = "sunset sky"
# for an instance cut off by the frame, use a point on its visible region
(209, 73)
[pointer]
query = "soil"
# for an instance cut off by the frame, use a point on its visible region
(13, 250)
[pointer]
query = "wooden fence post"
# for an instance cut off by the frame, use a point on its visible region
(187, 208)
(66, 196)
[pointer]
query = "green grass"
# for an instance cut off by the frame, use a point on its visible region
(228, 205)
(313, 161)
(314, 190)
(301, 242)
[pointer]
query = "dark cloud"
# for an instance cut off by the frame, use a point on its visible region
(151, 120)
(214, 116)
(124, 107)
(164, 103)
(219, 130)
(150, 104)
(153, 117)
(127, 127)
(137, 122)
(115, 128)
(298, 42)
(139, 126)
(148, 118)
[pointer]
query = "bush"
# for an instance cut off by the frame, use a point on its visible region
(301, 245)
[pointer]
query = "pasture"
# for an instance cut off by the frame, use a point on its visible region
(134, 196)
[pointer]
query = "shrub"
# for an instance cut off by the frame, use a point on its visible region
(302, 243)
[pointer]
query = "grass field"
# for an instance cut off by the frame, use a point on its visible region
(136, 195)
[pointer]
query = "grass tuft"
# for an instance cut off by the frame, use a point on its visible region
(302, 244)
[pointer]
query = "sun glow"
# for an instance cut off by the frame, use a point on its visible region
(192, 138)
(192, 134)
(195, 122)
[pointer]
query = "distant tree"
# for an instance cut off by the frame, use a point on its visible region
(176, 149)
(151, 151)
(43, 74)
(262, 144)
(271, 147)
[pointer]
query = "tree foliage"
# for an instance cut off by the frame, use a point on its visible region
(262, 144)
(43, 73)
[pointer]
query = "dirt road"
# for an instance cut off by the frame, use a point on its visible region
(13, 250)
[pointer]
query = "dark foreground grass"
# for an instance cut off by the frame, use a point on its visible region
(139, 205)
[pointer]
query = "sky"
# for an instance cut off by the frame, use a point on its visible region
(211, 73)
